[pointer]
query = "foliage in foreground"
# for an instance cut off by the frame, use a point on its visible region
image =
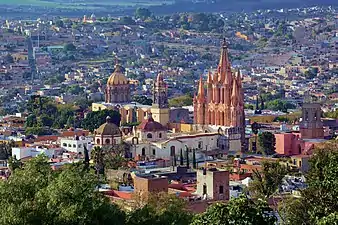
(266, 182)
(37, 195)
(318, 204)
(34, 194)
(239, 211)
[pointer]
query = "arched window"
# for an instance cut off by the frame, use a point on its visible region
(98, 141)
(149, 135)
(160, 135)
(143, 151)
(200, 144)
(107, 141)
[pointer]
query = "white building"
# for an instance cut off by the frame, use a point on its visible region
(108, 134)
(30, 152)
(151, 140)
(77, 144)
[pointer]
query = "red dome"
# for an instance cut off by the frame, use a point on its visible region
(151, 125)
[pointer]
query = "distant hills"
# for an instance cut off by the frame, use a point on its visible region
(10, 9)
(239, 5)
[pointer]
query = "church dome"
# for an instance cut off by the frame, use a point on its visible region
(108, 128)
(117, 77)
(151, 125)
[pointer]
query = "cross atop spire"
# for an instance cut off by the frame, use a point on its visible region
(224, 68)
(224, 43)
(116, 61)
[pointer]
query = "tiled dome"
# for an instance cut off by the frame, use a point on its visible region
(108, 128)
(151, 125)
(117, 77)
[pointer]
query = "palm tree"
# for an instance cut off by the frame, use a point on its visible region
(86, 157)
(97, 156)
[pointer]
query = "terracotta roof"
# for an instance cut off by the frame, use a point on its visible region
(151, 125)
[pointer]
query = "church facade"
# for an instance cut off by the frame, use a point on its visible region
(223, 102)
(222, 105)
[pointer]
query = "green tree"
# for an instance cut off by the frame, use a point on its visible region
(38, 131)
(181, 158)
(97, 155)
(311, 73)
(142, 13)
(279, 105)
(267, 142)
(249, 106)
(59, 23)
(75, 89)
(239, 211)
(318, 202)
(6, 150)
(332, 114)
(46, 120)
(95, 119)
(31, 121)
(266, 182)
(37, 195)
(142, 100)
(69, 47)
(114, 157)
(161, 209)
(184, 100)
(127, 20)
(194, 162)
(14, 163)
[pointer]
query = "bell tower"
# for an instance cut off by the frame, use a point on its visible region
(160, 107)
(311, 126)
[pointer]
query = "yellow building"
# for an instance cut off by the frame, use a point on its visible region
(23, 56)
(118, 97)
(129, 112)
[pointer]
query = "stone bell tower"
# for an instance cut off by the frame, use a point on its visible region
(311, 126)
(160, 107)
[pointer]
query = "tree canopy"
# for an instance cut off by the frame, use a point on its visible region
(69, 47)
(184, 100)
(45, 114)
(142, 99)
(267, 181)
(35, 194)
(142, 13)
(318, 203)
(239, 211)
(267, 142)
(95, 119)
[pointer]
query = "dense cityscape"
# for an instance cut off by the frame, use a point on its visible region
(145, 115)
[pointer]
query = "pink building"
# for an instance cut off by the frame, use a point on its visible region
(289, 144)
